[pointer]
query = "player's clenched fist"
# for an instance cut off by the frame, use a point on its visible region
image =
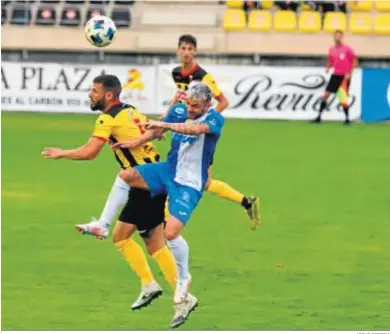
(154, 125)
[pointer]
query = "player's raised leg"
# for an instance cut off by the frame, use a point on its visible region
(116, 199)
(251, 204)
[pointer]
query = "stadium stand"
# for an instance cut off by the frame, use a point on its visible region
(382, 6)
(4, 15)
(335, 21)
(260, 20)
(310, 22)
(361, 6)
(267, 4)
(360, 23)
(382, 24)
(233, 27)
(121, 17)
(235, 4)
(94, 11)
(70, 16)
(21, 15)
(46, 15)
(234, 19)
(285, 20)
(99, 2)
(124, 2)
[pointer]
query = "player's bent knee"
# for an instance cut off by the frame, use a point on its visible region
(173, 228)
(122, 231)
(133, 178)
(153, 245)
(128, 175)
(117, 238)
(171, 235)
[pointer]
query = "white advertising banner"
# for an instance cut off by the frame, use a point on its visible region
(290, 93)
(49, 87)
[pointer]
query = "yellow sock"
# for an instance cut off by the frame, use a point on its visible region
(167, 264)
(136, 258)
(223, 190)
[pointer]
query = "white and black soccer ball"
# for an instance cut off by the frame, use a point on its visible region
(100, 31)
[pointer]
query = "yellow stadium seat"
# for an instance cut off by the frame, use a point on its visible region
(235, 4)
(305, 7)
(360, 23)
(382, 24)
(260, 20)
(234, 19)
(335, 21)
(382, 5)
(309, 22)
(361, 6)
(266, 4)
(285, 21)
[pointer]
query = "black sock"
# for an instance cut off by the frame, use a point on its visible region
(346, 112)
(246, 203)
(322, 108)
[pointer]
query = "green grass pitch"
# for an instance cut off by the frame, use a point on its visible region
(321, 259)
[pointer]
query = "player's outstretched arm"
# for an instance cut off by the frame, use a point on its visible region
(149, 135)
(88, 151)
(183, 128)
(188, 129)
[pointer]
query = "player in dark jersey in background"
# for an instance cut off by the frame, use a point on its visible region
(189, 70)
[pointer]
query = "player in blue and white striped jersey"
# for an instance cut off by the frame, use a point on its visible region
(196, 129)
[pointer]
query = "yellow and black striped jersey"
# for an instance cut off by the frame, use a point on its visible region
(182, 79)
(123, 122)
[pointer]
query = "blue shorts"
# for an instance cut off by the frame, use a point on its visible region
(182, 200)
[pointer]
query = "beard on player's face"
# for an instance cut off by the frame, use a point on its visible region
(98, 105)
(197, 109)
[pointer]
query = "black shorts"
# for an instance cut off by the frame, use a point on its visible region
(144, 211)
(335, 83)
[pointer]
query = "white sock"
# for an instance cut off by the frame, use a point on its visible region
(116, 199)
(180, 251)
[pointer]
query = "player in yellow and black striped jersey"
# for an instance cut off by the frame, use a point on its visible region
(124, 122)
(121, 122)
(183, 78)
(189, 70)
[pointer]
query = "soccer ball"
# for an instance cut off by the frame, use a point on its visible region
(100, 31)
